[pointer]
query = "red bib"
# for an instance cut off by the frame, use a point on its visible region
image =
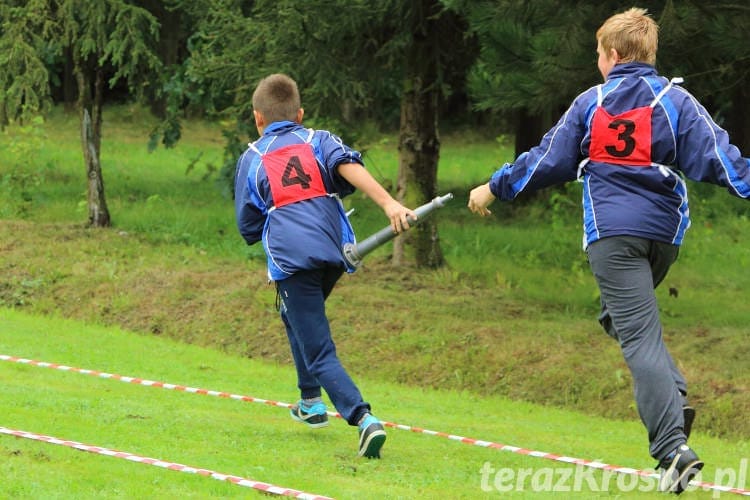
(293, 174)
(624, 139)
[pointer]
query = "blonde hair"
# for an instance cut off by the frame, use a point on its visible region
(277, 98)
(633, 34)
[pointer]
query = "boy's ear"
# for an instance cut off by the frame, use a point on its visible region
(260, 120)
(300, 114)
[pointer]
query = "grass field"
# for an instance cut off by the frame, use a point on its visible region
(501, 344)
(260, 442)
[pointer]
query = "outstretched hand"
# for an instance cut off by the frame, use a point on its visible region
(480, 198)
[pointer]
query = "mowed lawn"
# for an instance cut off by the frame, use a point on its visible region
(259, 442)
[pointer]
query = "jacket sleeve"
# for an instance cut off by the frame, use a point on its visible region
(332, 152)
(554, 161)
(249, 211)
(704, 153)
(250, 224)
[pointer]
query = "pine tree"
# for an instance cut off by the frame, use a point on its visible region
(103, 37)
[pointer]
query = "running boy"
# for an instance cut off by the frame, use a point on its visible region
(630, 140)
(288, 187)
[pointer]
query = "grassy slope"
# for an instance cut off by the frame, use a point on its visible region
(436, 329)
(260, 442)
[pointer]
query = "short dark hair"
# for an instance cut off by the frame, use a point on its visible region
(277, 98)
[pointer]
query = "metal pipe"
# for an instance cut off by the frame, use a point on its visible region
(355, 252)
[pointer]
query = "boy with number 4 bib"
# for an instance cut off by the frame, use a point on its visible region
(288, 189)
(629, 141)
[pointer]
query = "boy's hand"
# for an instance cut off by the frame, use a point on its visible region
(480, 198)
(398, 215)
(361, 179)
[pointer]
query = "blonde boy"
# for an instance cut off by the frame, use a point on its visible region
(630, 141)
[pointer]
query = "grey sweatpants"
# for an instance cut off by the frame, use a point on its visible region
(627, 270)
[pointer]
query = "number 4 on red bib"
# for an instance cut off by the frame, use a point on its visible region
(293, 174)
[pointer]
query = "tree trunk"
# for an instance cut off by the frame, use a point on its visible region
(419, 144)
(170, 37)
(529, 130)
(68, 82)
(90, 108)
(738, 125)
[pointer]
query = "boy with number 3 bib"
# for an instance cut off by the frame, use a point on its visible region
(629, 141)
(288, 189)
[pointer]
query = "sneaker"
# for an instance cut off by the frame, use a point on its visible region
(314, 415)
(678, 469)
(371, 437)
(688, 413)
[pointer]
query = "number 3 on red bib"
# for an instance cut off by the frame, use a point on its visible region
(624, 139)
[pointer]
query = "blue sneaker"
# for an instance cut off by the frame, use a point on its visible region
(371, 437)
(314, 415)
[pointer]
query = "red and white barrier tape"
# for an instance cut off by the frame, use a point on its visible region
(476, 442)
(241, 481)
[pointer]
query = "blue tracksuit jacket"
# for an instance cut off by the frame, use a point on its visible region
(297, 211)
(631, 153)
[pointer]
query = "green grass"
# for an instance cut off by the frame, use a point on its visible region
(260, 442)
(45, 179)
(466, 159)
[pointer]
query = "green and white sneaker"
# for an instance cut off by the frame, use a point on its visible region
(371, 437)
